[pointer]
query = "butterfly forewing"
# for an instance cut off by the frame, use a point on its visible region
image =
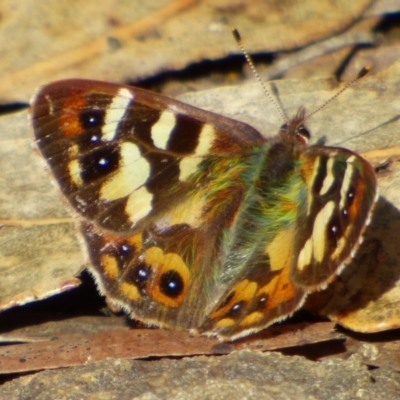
(341, 192)
(122, 154)
(193, 220)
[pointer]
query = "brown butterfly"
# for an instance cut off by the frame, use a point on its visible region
(195, 221)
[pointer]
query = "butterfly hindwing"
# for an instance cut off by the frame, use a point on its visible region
(264, 294)
(146, 274)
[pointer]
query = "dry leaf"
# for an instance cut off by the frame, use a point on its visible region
(378, 59)
(39, 253)
(79, 349)
(377, 353)
(363, 118)
(35, 331)
(128, 39)
(380, 7)
(326, 57)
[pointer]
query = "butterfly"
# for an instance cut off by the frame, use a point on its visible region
(192, 220)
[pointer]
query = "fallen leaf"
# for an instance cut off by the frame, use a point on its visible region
(35, 331)
(80, 349)
(135, 40)
(39, 251)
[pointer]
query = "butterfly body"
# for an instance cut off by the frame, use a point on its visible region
(196, 221)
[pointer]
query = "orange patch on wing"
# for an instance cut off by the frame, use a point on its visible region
(280, 249)
(252, 319)
(110, 266)
(69, 120)
(279, 290)
(136, 241)
(130, 291)
(162, 263)
(189, 211)
(358, 200)
(225, 323)
(243, 291)
(307, 168)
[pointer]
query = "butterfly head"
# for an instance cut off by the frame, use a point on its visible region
(295, 127)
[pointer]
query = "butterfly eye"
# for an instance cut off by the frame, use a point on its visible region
(303, 133)
(296, 129)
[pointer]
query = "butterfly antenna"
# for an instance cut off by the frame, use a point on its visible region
(238, 39)
(364, 71)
